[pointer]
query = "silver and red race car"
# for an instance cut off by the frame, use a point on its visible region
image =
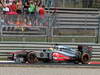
(57, 54)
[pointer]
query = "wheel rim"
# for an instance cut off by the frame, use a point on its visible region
(85, 59)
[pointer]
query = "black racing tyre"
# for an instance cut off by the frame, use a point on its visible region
(85, 58)
(32, 58)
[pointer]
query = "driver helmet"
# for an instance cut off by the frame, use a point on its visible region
(50, 49)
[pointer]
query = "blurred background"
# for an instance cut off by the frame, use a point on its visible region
(64, 21)
(66, 3)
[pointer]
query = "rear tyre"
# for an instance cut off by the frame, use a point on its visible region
(85, 58)
(32, 58)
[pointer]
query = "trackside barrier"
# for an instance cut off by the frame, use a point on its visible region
(78, 24)
(6, 47)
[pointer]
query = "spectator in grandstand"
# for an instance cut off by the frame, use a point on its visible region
(24, 1)
(1, 4)
(5, 9)
(12, 12)
(19, 6)
(2, 7)
(13, 7)
(42, 11)
(32, 7)
(39, 2)
(26, 6)
(31, 11)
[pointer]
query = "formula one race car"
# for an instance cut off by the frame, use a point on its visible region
(57, 54)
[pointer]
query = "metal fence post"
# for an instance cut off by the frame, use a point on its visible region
(98, 29)
(49, 30)
(0, 30)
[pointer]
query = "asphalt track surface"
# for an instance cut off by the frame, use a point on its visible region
(59, 65)
(12, 68)
(49, 65)
(48, 70)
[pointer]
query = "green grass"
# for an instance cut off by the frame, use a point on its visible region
(55, 39)
(70, 39)
(27, 39)
(3, 58)
(95, 60)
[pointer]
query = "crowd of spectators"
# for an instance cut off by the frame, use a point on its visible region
(32, 8)
(18, 6)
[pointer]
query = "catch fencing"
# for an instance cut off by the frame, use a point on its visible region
(59, 25)
(72, 3)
